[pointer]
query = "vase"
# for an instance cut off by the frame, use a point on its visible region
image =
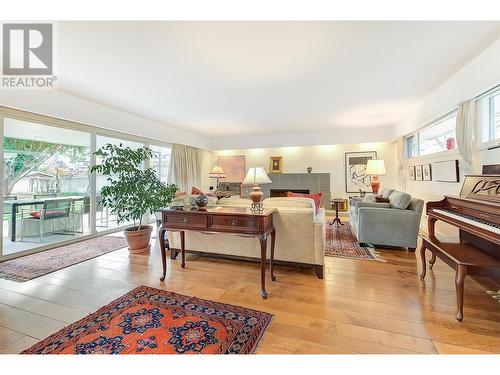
(201, 201)
(450, 143)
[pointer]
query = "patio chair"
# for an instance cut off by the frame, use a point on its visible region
(51, 210)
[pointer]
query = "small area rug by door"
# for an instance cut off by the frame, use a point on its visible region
(153, 321)
(341, 242)
(35, 265)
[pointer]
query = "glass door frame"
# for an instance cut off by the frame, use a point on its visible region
(92, 132)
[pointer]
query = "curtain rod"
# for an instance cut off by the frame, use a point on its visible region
(488, 91)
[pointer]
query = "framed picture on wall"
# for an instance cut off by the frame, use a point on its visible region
(275, 164)
(233, 166)
(411, 172)
(446, 171)
(356, 180)
(427, 172)
(418, 173)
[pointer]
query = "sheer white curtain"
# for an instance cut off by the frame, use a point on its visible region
(185, 167)
(465, 134)
(401, 158)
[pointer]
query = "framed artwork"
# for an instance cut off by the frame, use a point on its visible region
(233, 166)
(418, 173)
(356, 180)
(411, 172)
(275, 164)
(446, 171)
(427, 172)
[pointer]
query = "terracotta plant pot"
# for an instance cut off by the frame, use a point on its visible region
(138, 240)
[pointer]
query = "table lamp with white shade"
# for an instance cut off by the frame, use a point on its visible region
(375, 168)
(256, 176)
(217, 173)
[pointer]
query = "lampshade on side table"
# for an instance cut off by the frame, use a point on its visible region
(375, 168)
(256, 176)
(217, 173)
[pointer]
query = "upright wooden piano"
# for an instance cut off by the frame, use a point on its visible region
(476, 213)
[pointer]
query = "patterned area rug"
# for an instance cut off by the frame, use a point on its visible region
(39, 264)
(153, 321)
(341, 242)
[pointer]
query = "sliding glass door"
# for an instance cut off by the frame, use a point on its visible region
(46, 185)
(49, 196)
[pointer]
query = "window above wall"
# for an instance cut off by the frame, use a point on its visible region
(490, 124)
(436, 137)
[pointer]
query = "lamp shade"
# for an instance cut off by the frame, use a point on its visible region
(217, 172)
(375, 167)
(256, 176)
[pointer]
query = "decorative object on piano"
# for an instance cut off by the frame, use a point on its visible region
(275, 164)
(217, 172)
(201, 201)
(233, 166)
(418, 173)
(427, 172)
(411, 172)
(446, 171)
(375, 168)
(450, 143)
(356, 178)
(256, 176)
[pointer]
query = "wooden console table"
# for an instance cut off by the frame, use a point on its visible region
(235, 220)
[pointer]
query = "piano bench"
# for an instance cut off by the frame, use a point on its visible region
(464, 258)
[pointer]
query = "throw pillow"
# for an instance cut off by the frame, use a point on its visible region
(368, 198)
(196, 191)
(316, 197)
(400, 200)
(381, 200)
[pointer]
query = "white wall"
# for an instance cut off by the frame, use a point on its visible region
(477, 76)
(322, 159)
(59, 104)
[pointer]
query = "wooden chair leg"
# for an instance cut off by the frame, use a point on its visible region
(459, 287)
(432, 261)
(422, 257)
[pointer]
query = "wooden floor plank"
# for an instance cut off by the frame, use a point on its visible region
(360, 306)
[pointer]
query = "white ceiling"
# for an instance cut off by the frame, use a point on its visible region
(225, 79)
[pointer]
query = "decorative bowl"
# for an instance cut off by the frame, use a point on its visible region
(192, 201)
(201, 201)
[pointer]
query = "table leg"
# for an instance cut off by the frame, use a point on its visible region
(13, 222)
(263, 250)
(163, 252)
(271, 260)
(183, 249)
(432, 261)
(422, 258)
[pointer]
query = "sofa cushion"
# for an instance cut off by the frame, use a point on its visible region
(381, 199)
(369, 198)
(399, 200)
(315, 197)
(386, 193)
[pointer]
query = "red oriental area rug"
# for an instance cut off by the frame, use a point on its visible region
(341, 242)
(153, 321)
(35, 265)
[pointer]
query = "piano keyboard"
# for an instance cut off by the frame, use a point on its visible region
(495, 228)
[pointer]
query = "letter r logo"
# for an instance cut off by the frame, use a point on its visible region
(27, 49)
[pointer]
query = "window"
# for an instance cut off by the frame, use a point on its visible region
(160, 162)
(491, 117)
(436, 137)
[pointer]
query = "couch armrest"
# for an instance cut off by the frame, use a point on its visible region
(378, 225)
(354, 200)
(373, 205)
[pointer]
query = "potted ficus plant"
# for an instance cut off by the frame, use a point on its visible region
(132, 192)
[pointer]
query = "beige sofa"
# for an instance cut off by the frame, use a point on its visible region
(300, 234)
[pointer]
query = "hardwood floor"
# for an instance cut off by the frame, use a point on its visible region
(360, 307)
